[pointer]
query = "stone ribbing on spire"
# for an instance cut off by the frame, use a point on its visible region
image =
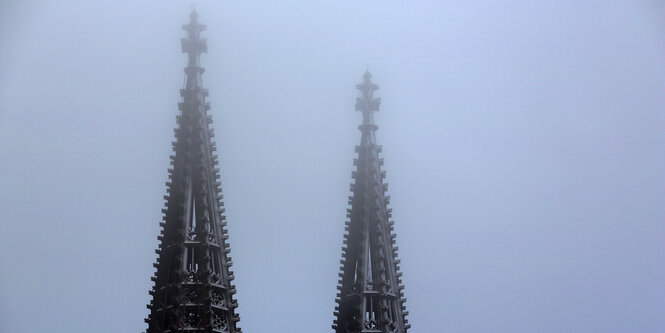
(370, 297)
(193, 289)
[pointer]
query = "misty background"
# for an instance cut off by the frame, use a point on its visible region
(523, 143)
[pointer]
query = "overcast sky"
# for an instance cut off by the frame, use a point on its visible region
(524, 143)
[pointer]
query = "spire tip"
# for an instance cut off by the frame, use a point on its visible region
(366, 102)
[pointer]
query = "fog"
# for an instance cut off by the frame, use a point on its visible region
(523, 143)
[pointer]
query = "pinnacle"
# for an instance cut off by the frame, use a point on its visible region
(193, 255)
(370, 271)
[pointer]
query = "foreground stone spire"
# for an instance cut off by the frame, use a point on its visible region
(370, 297)
(193, 290)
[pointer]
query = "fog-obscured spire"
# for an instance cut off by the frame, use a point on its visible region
(193, 289)
(370, 297)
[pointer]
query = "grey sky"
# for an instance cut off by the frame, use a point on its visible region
(523, 143)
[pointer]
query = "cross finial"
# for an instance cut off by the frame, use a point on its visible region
(193, 45)
(366, 102)
(367, 88)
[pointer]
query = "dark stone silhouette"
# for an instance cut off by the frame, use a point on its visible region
(370, 297)
(193, 290)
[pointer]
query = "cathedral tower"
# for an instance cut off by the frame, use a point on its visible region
(370, 297)
(193, 289)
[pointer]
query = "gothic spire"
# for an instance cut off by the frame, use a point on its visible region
(193, 289)
(370, 297)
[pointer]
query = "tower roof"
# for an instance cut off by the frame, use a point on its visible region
(370, 297)
(193, 289)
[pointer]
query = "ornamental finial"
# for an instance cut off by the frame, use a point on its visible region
(194, 45)
(366, 103)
